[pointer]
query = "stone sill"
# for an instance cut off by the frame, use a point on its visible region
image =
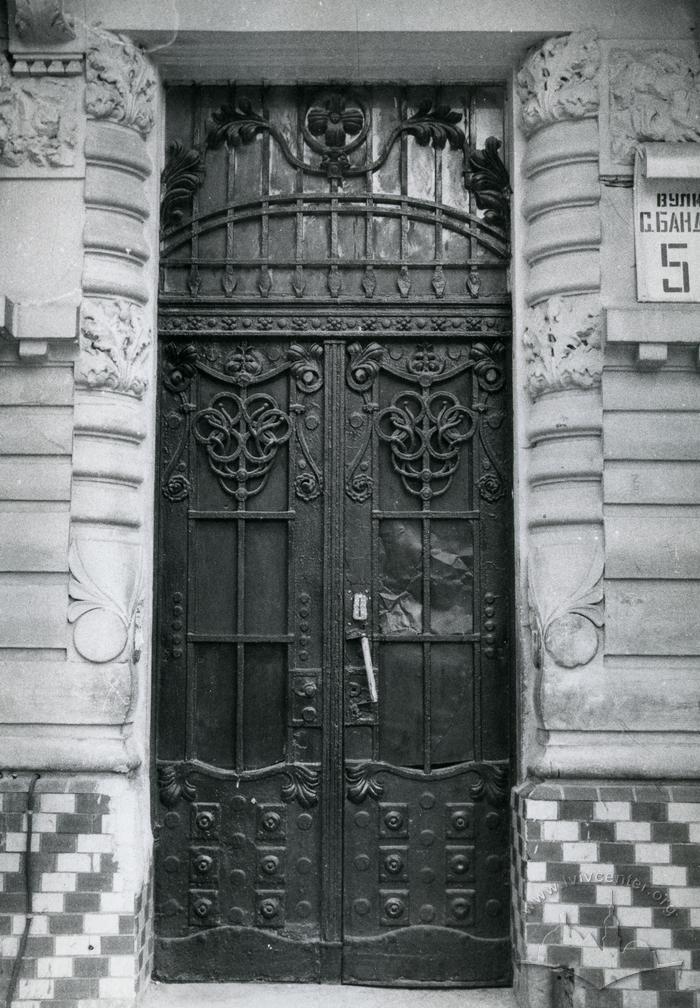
(653, 328)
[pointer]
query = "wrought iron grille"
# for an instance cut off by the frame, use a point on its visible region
(335, 193)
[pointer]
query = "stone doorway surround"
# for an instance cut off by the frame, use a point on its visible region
(607, 636)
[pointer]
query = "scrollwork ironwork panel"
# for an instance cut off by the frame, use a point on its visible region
(241, 438)
(425, 433)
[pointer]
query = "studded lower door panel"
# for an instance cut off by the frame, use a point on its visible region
(426, 877)
(244, 865)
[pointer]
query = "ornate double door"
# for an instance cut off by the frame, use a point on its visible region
(333, 729)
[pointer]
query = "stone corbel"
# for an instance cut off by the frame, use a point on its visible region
(37, 327)
(652, 328)
(45, 38)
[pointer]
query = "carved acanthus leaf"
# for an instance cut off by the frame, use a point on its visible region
(559, 80)
(654, 96)
(121, 86)
(106, 622)
(114, 344)
(38, 120)
(565, 595)
(42, 22)
(563, 345)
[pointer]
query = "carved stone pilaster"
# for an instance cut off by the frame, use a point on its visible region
(654, 96)
(121, 84)
(561, 355)
(111, 495)
(559, 94)
(563, 345)
(38, 121)
(559, 80)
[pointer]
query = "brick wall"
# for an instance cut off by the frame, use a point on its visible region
(607, 895)
(90, 935)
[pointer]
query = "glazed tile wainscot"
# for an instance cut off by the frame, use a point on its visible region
(607, 894)
(89, 934)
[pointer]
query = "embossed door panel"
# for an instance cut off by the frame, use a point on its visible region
(242, 430)
(427, 893)
(426, 871)
(334, 488)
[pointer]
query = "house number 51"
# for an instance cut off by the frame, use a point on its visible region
(667, 250)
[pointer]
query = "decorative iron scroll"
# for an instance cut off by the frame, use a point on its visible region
(359, 483)
(241, 434)
(302, 785)
(173, 784)
(425, 433)
(179, 179)
(488, 179)
(251, 323)
(426, 429)
(334, 126)
(362, 783)
(490, 783)
(425, 366)
(242, 438)
(308, 483)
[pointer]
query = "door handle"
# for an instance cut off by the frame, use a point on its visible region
(367, 658)
(359, 613)
(369, 668)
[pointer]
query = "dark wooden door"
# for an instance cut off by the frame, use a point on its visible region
(334, 564)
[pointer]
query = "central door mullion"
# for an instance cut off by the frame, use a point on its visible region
(240, 630)
(333, 662)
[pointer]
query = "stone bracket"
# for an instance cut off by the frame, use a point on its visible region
(35, 327)
(653, 328)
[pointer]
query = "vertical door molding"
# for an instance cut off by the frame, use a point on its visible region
(558, 90)
(110, 532)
